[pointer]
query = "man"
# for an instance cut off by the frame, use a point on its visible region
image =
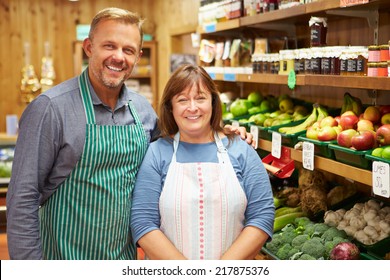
(79, 148)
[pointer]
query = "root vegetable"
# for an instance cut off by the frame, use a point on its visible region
(345, 251)
(362, 237)
(313, 200)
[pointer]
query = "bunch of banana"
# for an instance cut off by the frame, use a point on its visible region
(317, 114)
(352, 103)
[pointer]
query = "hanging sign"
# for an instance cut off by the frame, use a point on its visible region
(380, 178)
(308, 155)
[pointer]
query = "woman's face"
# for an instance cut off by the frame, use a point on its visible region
(192, 110)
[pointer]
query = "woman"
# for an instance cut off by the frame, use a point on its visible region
(200, 193)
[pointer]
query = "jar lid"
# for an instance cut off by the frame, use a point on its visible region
(373, 47)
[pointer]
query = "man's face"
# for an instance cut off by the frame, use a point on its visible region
(113, 52)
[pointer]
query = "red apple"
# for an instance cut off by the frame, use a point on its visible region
(365, 125)
(327, 133)
(383, 134)
(363, 140)
(384, 109)
(348, 113)
(348, 121)
(372, 114)
(385, 119)
(328, 121)
(345, 137)
(338, 129)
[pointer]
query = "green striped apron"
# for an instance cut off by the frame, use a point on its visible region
(88, 217)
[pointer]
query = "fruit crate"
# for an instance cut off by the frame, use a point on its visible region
(351, 156)
(375, 158)
(321, 148)
(289, 140)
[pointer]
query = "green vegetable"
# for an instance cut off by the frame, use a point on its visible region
(333, 232)
(306, 257)
(299, 240)
(282, 221)
(314, 248)
(274, 245)
(279, 202)
(283, 252)
(320, 228)
(285, 210)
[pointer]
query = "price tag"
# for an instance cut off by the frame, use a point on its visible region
(235, 124)
(292, 80)
(211, 27)
(380, 178)
(255, 133)
(276, 149)
(308, 155)
(230, 77)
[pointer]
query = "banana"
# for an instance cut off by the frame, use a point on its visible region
(302, 126)
(322, 113)
(352, 103)
(357, 106)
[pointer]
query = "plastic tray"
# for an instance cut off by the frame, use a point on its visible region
(374, 158)
(351, 156)
(321, 148)
(288, 140)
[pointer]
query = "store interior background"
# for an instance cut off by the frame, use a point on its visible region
(171, 23)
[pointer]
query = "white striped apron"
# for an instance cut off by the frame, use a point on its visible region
(88, 217)
(202, 205)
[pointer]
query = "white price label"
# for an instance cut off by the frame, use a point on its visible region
(255, 133)
(380, 178)
(308, 155)
(276, 144)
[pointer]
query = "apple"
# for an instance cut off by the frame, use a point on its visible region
(384, 109)
(312, 132)
(363, 140)
(286, 105)
(337, 118)
(385, 119)
(328, 121)
(239, 107)
(377, 152)
(383, 134)
(344, 138)
(348, 113)
(386, 152)
(372, 114)
(327, 133)
(338, 129)
(348, 121)
(365, 125)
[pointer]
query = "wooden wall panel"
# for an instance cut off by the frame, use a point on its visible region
(37, 21)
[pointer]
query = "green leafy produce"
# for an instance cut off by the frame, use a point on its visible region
(314, 247)
(283, 252)
(332, 233)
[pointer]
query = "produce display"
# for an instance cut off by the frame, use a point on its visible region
(368, 222)
(306, 240)
(6, 157)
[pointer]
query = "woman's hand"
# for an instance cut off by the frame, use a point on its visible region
(240, 130)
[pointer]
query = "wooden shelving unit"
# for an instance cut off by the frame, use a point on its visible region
(299, 16)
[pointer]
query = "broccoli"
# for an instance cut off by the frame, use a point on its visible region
(306, 257)
(302, 221)
(298, 241)
(292, 252)
(283, 252)
(314, 248)
(309, 229)
(274, 245)
(288, 236)
(320, 228)
(333, 232)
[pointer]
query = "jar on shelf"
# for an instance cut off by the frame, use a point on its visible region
(316, 60)
(286, 61)
(326, 61)
(352, 56)
(372, 69)
(318, 29)
(299, 62)
(275, 63)
(388, 68)
(361, 67)
(374, 53)
(344, 62)
(335, 53)
(384, 52)
(382, 69)
(307, 55)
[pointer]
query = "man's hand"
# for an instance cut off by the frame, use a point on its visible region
(240, 130)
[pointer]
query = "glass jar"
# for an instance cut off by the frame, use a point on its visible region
(373, 53)
(335, 60)
(318, 30)
(352, 56)
(362, 59)
(372, 69)
(307, 54)
(316, 60)
(299, 62)
(382, 69)
(326, 61)
(384, 52)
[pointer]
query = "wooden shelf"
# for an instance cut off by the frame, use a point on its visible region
(332, 166)
(356, 82)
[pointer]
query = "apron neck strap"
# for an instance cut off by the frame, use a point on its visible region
(86, 97)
